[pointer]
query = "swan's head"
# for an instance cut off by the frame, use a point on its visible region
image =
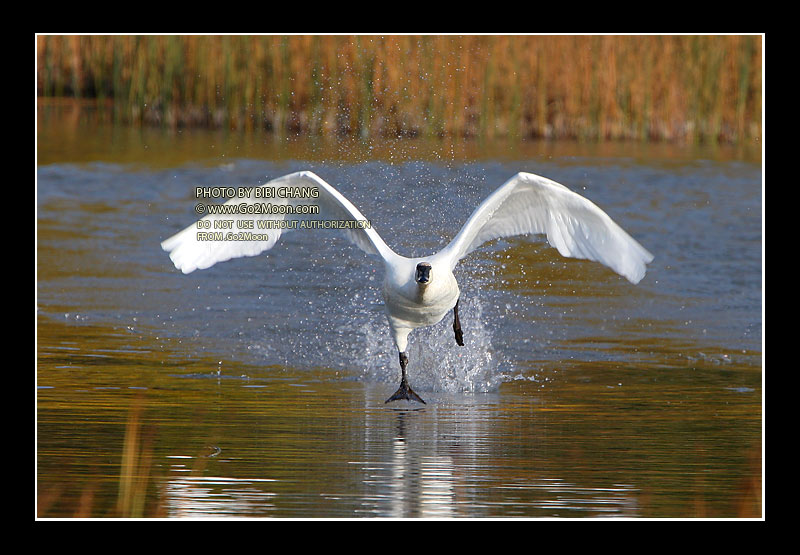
(423, 275)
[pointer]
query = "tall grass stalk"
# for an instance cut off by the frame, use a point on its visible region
(681, 88)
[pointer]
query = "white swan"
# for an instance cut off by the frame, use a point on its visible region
(420, 291)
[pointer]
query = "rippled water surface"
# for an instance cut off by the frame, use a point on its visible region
(256, 387)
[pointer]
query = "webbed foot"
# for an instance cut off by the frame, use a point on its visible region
(405, 392)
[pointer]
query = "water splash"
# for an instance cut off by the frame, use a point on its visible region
(436, 362)
(345, 328)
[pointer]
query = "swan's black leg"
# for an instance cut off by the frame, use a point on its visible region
(404, 391)
(457, 326)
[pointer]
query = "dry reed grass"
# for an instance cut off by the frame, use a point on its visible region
(674, 88)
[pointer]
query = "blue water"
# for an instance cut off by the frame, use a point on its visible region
(314, 300)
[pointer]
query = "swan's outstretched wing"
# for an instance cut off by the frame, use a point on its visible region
(528, 203)
(191, 250)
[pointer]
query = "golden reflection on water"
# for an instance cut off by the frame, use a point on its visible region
(127, 429)
(75, 131)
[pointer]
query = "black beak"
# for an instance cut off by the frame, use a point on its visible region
(423, 272)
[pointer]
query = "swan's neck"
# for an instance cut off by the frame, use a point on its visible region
(421, 289)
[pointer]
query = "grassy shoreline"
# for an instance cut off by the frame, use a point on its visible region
(664, 88)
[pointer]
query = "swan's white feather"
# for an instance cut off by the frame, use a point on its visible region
(189, 253)
(530, 204)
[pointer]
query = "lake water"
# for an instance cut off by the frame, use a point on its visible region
(256, 388)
